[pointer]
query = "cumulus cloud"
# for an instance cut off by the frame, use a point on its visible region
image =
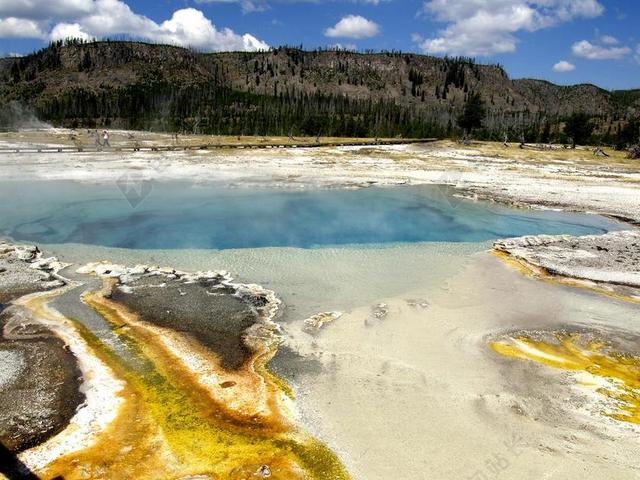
(565, 10)
(12, 27)
(68, 30)
(109, 17)
(44, 10)
(609, 40)
(353, 26)
(488, 27)
(102, 18)
(588, 50)
(190, 27)
(563, 67)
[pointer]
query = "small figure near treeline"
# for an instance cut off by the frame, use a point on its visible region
(96, 140)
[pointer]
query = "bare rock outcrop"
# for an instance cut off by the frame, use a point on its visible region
(613, 258)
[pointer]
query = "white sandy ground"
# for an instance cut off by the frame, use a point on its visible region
(601, 186)
(419, 395)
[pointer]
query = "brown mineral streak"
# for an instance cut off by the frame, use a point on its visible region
(208, 437)
(249, 385)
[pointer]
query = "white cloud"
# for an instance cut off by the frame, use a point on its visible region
(637, 55)
(109, 17)
(69, 30)
(102, 18)
(353, 26)
(609, 40)
(488, 27)
(563, 67)
(588, 50)
(44, 10)
(12, 27)
(190, 27)
(566, 10)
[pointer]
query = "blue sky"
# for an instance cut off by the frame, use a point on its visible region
(564, 41)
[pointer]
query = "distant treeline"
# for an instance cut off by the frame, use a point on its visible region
(288, 91)
(212, 109)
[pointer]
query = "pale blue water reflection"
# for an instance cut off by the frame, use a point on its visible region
(180, 215)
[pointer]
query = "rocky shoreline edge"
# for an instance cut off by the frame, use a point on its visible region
(263, 303)
(609, 263)
(40, 382)
(92, 397)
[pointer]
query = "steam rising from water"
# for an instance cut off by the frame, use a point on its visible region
(16, 117)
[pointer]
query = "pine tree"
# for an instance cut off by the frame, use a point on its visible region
(473, 113)
(579, 128)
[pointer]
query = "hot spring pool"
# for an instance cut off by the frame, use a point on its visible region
(174, 215)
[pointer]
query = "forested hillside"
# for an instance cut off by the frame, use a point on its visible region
(290, 91)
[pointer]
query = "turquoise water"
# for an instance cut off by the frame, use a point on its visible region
(180, 215)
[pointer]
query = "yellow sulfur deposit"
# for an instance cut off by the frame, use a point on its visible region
(612, 374)
(173, 426)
